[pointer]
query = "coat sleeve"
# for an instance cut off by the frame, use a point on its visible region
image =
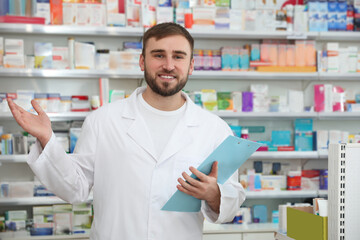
(232, 192)
(69, 176)
(232, 196)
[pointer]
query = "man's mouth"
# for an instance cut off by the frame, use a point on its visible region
(166, 76)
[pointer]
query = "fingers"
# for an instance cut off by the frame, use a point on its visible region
(37, 107)
(199, 174)
(214, 170)
(13, 106)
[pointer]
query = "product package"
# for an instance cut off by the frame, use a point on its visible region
(115, 95)
(164, 14)
(43, 10)
(225, 101)
(69, 13)
(14, 47)
(84, 55)
(209, 99)
(1, 51)
(43, 55)
(60, 57)
(204, 18)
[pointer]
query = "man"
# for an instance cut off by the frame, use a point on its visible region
(134, 153)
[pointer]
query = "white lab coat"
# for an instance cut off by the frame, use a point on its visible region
(115, 156)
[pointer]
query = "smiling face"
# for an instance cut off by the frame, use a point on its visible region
(167, 64)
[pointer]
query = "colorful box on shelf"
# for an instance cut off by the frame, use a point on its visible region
(22, 19)
(303, 225)
(285, 69)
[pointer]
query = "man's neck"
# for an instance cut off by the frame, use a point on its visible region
(157, 101)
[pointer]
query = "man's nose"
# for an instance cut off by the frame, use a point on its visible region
(169, 64)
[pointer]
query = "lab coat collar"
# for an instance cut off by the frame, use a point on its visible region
(131, 111)
(139, 132)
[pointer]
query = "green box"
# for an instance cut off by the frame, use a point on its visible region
(306, 226)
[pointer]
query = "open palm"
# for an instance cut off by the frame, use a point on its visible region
(37, 125)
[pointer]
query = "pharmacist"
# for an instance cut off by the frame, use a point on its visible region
(135, 153)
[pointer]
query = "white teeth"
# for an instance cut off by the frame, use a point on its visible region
(168, 77)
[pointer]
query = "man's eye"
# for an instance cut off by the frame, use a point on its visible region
(179, 57)
(159, 56)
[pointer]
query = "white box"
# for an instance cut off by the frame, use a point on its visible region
(343, 60)
(14, 61)
(69, 13)
(204, 18)
(98, 15)
(43, 10)
(322, 139)
(83, 14)
(352, 59)
(60, 58)
(14, 47)
(296, 101)
(237, 17)
(328, 91)
(335, 136)
(164, 14)
(21, 189)
(333, 57)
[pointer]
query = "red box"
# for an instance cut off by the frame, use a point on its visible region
(22, 19)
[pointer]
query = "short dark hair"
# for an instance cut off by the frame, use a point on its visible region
(163, 30)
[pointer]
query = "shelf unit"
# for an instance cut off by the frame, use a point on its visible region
(265, 194)
(197, 33)
(256, 156)
(199, 75)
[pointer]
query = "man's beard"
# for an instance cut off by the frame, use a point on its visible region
(164, 89)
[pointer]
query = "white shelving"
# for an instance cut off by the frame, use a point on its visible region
(248, 75)
(272, 115)
(78, 73)
(197, 33)
(199, 75)
(257, 156)
(31, 201)
(68, 116)
(264, 194)
(70, 30)
(13, 236)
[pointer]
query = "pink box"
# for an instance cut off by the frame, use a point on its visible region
(319, 98)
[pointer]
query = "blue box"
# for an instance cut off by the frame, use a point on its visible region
(332, 15)
(280, 138)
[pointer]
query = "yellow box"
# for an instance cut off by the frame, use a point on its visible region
(306, 226)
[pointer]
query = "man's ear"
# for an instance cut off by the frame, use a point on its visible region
(191, 69)
(142, 62)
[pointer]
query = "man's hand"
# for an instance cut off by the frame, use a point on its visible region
(37, 125)
(205, 188)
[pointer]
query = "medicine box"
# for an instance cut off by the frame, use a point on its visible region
(303, 225)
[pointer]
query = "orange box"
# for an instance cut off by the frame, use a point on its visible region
(290, 55)
(56, 13)
(300, 53)
(282, 55)
(310, 53)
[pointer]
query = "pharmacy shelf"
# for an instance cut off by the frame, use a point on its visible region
(70, 30)
(77, 73)
(199, 75)
(13, 158)
(54, 117)
(339, 116)
(212, 228)
(256, 156)
(13, 236)
(268, 115)
(284, 194)
(30, 201)
(249, 75)
(263, 155)
(339, 36)
(234, 34)
(340, 76)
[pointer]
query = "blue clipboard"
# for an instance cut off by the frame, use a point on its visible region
(230, 154)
